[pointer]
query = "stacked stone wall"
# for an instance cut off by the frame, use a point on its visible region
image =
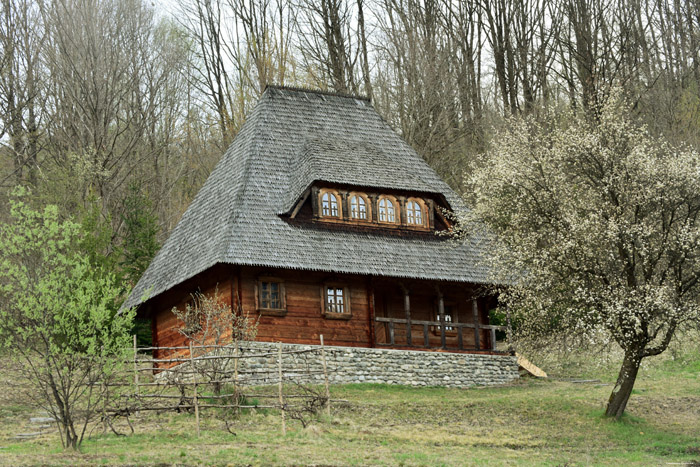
(363, 365)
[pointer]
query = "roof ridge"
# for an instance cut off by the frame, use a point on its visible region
(317, 91)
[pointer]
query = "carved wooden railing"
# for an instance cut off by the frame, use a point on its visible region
(443, 330)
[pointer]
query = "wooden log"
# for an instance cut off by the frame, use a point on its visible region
(325, 377)
(194, 400)
(407, 311)
(475, 312)
(281, 398)
(441, 311)
(136, 368)
(370, 303)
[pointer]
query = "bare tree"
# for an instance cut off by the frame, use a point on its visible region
(326, 44)
(210, 321)
(21, 96)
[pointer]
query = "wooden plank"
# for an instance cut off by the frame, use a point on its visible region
(300, 203)
(391, 332)
(426, 337)
(460, 340)
(528, 366)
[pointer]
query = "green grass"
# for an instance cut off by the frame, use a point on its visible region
(544, 422)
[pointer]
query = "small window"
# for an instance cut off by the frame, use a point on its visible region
(271, 294)
(358, 207)
(387, 210)
(449, 318)
(336, 301)
(329, 205)
(414, 213)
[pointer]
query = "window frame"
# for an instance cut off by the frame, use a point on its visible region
(397, 210)
(339, 201)
(368, 206)
(283, 296)
(423, 210)
(454, 315)
(346, 297)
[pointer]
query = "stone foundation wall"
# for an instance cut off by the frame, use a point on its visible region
(362, 365)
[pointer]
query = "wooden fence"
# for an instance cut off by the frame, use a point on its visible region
(212, 377)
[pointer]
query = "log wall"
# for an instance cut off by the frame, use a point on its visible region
(303, 322)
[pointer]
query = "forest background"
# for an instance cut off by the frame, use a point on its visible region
(117, 110)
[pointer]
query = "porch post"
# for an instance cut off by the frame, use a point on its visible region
(370, 301)
(475, 311)
(441, 311)
(407, 311)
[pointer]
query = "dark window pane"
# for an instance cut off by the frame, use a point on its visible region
(270, 295)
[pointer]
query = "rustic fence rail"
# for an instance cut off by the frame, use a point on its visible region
(211, 377)
(444, 328)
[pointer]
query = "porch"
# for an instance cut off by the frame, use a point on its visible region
(447, 317)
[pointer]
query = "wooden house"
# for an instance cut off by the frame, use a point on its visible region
(324, 221)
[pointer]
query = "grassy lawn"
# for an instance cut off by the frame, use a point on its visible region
(546, 422)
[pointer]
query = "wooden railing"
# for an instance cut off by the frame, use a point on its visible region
(391, 324)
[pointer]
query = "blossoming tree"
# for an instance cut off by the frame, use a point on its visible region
(599, 232)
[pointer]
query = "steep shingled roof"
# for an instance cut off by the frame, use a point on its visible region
(291, 139)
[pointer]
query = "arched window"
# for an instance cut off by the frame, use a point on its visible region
(358, 207)
(387, 210)
(414, 213)
(329, 205)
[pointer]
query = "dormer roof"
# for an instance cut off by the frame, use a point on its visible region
(292, 139)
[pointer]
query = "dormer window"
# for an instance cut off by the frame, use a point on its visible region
(330, 204)
(387, 210)
(414, 213)
(374, 211)
(359, 207)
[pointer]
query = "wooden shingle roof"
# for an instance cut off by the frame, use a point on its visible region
(291, 139)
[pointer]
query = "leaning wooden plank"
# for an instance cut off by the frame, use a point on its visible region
(528, 366)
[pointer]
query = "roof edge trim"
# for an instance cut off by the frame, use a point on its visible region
(317, 91)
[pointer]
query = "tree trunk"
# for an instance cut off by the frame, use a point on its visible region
(623, 388)
(71, 438)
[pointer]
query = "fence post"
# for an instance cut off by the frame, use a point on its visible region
(136, 368)
(325, 376)
(194, 400)
(279, 368)
(236, 396)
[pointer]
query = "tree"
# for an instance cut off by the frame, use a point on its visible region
(599, 232)
(21, 40)
(208, 320)
(59, 316)
(140, 242)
